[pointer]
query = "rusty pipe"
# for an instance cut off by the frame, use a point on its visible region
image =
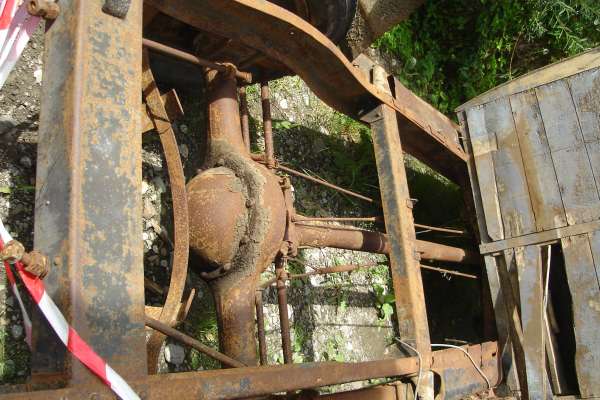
(377, 242)
(192, 59)
(235, 306)
(284, 319)
(267, 124)
(260, 330)
(245, 118)
(224, 112)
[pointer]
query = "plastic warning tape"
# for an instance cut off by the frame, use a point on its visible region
(16, 27)
(71, 339)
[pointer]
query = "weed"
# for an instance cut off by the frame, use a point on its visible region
(453, 50)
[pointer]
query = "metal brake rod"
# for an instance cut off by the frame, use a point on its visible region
(182, 55)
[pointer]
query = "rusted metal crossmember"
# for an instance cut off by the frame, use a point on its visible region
(458, 373)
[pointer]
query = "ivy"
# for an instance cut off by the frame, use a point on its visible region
(453, 50)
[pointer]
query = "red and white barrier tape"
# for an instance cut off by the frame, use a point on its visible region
(75, 344)
(16, 27)
(13, 285)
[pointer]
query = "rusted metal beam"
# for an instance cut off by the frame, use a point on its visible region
(192, 59)
(259, 381)
(88, 214)
(403, 254)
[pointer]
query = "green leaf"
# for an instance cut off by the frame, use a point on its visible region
(387, 311)
(389, 298)
(343, 306)
(5, 190)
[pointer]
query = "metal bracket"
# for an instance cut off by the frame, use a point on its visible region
(116, 8)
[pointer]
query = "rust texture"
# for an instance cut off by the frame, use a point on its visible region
(88, 214)
(46, 9)
(36, 263)
(12, 252)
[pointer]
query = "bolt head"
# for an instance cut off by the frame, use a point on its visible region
(13, 251)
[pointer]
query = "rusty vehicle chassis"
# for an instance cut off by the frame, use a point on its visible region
(88, 211)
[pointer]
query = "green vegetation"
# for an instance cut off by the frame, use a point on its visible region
(453, 50)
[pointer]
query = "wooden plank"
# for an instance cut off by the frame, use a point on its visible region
(585, 294)
(505, 345)
(540, 237)
(585, 89)
(483, 146)
(541, 178)
(474, 209)
(569, 155)
(595, 246)
(513, 275)
(513, 193)
(529, 263)
(541, 76)
(514, 322)
(475, 189)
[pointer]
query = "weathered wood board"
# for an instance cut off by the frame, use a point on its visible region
(534, 147)
(529, 264)
(505, 344)
(513, 193)
(569, 154)
(537, 161)
(585, 292)
(585, 89)
(483, 146)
